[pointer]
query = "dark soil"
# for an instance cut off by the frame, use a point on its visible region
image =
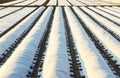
(4, 1)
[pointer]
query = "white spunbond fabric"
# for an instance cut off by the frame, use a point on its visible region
(105, 38)
(8, 10)
(109, 11)
(19, 63)
(52, 2)
(110, 25)
(63, 3)
(15, 33)
(93, 62)
(56, 64)
(11, 19)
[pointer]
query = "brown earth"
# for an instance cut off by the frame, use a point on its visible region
(4, 1)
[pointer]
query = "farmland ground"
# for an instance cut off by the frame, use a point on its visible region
(59, 39)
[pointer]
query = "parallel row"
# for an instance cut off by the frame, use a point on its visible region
(21, 52)
(56, 58)
(24, 54)
(76, 65)
(93, 62)
(66, 41)
(56, 3)
(48, 17)
(12, 20)
(104, 40)
(108, 18)
(11, 40)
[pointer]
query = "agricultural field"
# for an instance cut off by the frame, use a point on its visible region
(59, 39)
